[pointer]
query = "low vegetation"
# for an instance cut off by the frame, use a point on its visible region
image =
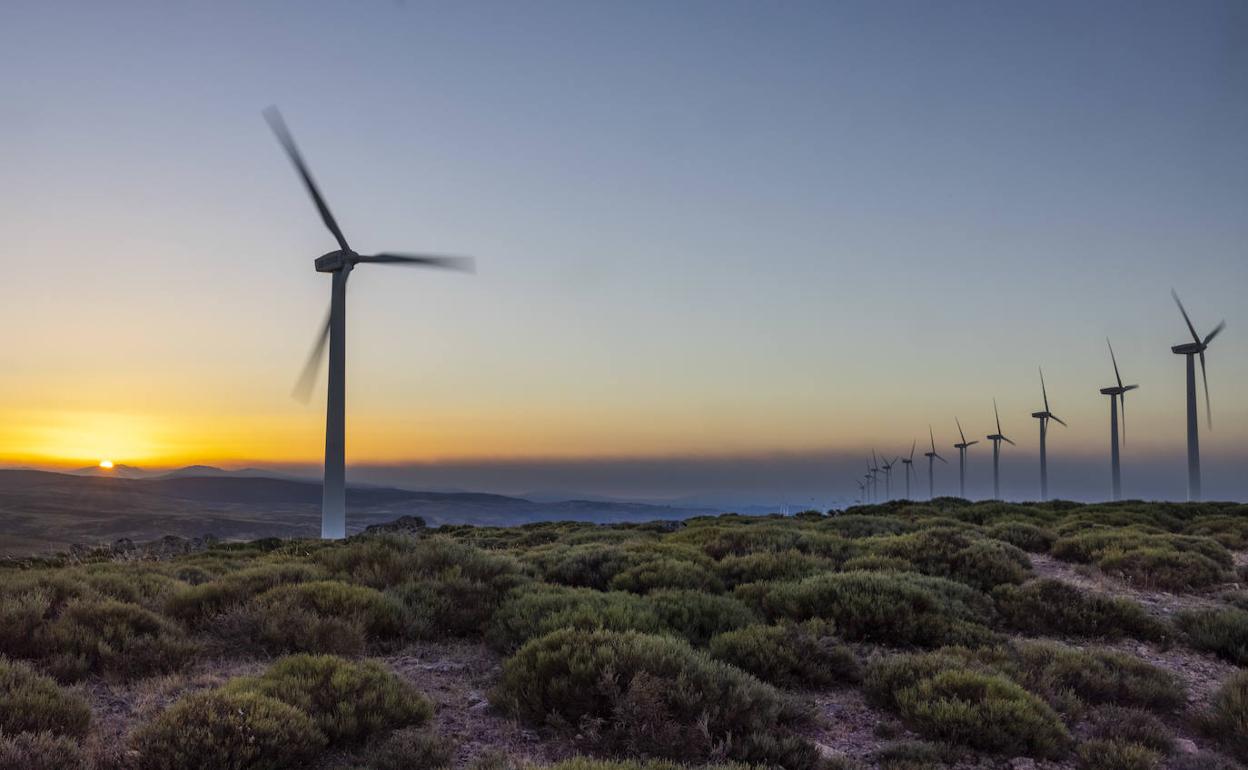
(728, 639)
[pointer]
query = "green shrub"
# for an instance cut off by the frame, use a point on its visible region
(909, 755)
(199, 603)
(698, 616)
(884, 607)
(381, 616)
(142, 585)
(1237, 598)
(858, 525)
(720, 541)
(31, 702)
(770, 565)
(638, 693)
(1132, 725)
(1020, 534)
(116, 639)
(528, 613)
(27, 603)
(666, 574)
(450, 607)
(219, 729)
(1056, 608)
(40, 751)
(410, 749)
(382, 561)
(959, 555)
(1164, 569)
(1096, 676)
(788, 655)
(1114, 754)
(590, 565)
(1222, 632)
(983, 711)
(1227, 719)
(877, 563)
(1230, 531)
(347, 701)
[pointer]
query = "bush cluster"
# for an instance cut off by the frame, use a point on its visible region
(1051, 607)
(792, 655)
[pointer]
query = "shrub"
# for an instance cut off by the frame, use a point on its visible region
(1114, 754)
(666, 573)
(886, 607)
(770, 565)
(1096, 676)
(1054, 607)
(116, 639)
(959, 555)
(1020, 534)
(788, 655)
(449, 607)
(531, 612)
(877, 563)
(698, 616)
(909, 755)
(410, 749)
(31, 702)
(27, 603)
(40, 751)
(1229, 531)
(1131, 725)
(591, 565)
(347, 701)
(382, 561)
(858, 525)
(1227, 718)
(1222, 632)
(1164, 569)
(1237, 598)
(199, 603)
(984, 711)
(639, 693)
(136, 585)
(289, 610)
(219, 729)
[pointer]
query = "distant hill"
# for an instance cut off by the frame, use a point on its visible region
(117, 471)
(41, 511)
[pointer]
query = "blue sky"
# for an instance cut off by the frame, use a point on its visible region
(718, 229)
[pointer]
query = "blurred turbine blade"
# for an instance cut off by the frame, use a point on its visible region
(1183, 310)
(1059, 420)
(1216, 331)
(1115, 360)
(1044, 391)
(307, 378)
(998, 415)
(913, 444)
(960, 433)
(1006, 440)
(463, 264)
(1205, 376)
(283, 135)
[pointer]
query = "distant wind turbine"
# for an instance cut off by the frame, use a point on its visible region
(888, 477)
(862, 490)
(909, 463)
(339, 264)
(1196, 347)
(1044, 418)
(875, 476)
(1116, 392)
(932, 457)
(962, 447)
(996, 440)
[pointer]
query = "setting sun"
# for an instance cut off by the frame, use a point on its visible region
(106, 464)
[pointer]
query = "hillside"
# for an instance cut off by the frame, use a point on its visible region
(42, 511)
(944, 635)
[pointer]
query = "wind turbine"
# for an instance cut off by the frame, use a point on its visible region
(1044, 418)
(909, 463)
(932, 457)
(888, 477)
(1115, 392)
(875, 476)
(339, 263)
(862, 490)
(996, 440)
(962, 447)
(1190, 349)
(867, 484)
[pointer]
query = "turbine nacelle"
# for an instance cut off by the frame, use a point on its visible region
(1117, 390)
(336, 260)
(1189, 348)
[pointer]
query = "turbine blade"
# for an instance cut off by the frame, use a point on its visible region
(465, 264)
(1044, 391)
(932, 436)
(972, 443)
(1183, 310)
(1115, 360)
(943, 460)
(1006, 440)
(960, 433)
(307, 378)
(288, 142)
(1205, 376)
(1059, 420)
(913, 444)
(998, 415)
(1216, 331)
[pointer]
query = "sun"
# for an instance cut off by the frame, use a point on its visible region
(106, 464)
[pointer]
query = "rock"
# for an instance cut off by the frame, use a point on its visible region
(480, 707)
(1186, 746)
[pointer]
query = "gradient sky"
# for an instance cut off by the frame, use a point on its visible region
(707, 231)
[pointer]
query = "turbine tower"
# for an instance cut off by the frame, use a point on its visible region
(867, 484)
(888, 478)
(339, 264)
(1044, 418)
(932, 457)
(875, 476)
(1191, 349)
(962, 447)
(862, 491)
(1116, 392)
(909, 463)
(996, 440)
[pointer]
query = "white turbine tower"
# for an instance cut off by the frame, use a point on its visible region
(888, 477)
(339, 264)
(932, 457)
(962, 447)
(909, 463)
(1191, 349)
(996, 440)
(1116, 392)
(1044, 418)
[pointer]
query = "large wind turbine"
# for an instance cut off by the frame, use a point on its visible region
(996, 440)
(962, 447)
(909, 463)
(932, 457)
(1190, 349)
(339, 264)
(888, 477)
(1044, 418)
(1116, 392)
